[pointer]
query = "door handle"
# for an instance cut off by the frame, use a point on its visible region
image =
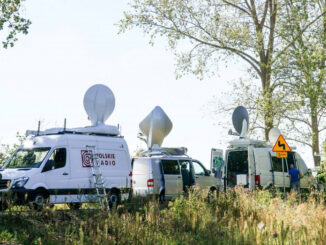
(179, 177)
(65, 174)
(197, 177)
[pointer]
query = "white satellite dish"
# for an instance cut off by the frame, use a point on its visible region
(156, 126)
(240, 120)
(99, 103)
(273, 135)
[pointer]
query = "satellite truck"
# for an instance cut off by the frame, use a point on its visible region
(165, 172)
(252, 163)
(73, 166)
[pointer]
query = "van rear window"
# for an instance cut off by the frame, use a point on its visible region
(171, 167)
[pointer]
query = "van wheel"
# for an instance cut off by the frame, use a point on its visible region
(40, 200)
(212, 194)
(74, 205)
(3, 206)
(113, 199)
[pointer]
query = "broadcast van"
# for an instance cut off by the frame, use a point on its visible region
(252, 163)
(72, 166)
(165, 172)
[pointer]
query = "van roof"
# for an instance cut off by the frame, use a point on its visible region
(245, 142)
(58, 139)
(180, 152)
(165, 157)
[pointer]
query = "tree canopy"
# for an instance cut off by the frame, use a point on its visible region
(11, 22)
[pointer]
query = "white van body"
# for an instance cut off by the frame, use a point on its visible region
(252, 163)
(62, 171)
(167, 176)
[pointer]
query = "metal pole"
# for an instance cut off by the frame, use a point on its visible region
(38, 128)
(283, 178)
(64, 124)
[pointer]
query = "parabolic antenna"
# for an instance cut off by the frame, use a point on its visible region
(99, 103)
(240, 120)
(273, 135)
(156, 126)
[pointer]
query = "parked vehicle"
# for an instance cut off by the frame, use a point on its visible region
(165, 172)
(166, 175)
(253, 164)
(71, 166)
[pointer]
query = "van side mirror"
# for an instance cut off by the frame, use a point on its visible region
(208, 172)
(213, 170)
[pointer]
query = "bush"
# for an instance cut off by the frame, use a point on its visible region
(235, 217)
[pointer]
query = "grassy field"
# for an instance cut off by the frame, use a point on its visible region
(235, 217)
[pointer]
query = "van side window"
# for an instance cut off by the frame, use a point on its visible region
(277, 164)
(56, 160)
(198, 169)
(171, 167)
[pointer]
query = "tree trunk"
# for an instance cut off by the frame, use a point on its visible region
(315, 139)
(268, 112)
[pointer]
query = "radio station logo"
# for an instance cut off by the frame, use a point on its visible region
(102, 159)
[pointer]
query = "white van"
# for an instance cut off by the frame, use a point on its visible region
(72, 166)
(252, 164)
(165, 174)
(56, 168)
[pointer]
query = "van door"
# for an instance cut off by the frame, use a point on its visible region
(202, 179)
(56, 172)
(251, 168)
(188, 178)
(141, 173)
(172, 177)
(217, 166)
(277, 170)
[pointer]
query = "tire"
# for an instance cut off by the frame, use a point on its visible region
(113, 199)
(3, 206)
(213, 193)
(40, 200)
(74, 205)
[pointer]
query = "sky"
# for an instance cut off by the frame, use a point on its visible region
(74, 44)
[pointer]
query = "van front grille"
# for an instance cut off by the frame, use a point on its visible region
(4, 184)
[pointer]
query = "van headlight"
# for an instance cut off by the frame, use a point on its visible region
(20, 182)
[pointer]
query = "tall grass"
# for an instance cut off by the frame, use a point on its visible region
(234, 217)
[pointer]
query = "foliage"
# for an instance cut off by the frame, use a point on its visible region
(321, 174)
(8, 150)
(234, 217)
(301, 71)
(206, 34)
(12, 22)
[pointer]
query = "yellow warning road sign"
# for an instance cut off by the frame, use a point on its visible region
(281, 154)
(281, 145)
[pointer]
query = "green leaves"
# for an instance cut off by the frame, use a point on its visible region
(11, 21)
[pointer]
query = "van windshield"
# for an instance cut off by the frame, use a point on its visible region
(28, 158)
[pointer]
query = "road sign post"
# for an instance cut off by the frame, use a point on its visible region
(282, 148)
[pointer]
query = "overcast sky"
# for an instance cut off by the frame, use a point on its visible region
(73, 44)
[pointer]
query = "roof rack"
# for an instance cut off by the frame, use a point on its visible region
(180, 151)
(101, 130)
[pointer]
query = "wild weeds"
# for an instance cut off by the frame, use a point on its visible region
(234, 217)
